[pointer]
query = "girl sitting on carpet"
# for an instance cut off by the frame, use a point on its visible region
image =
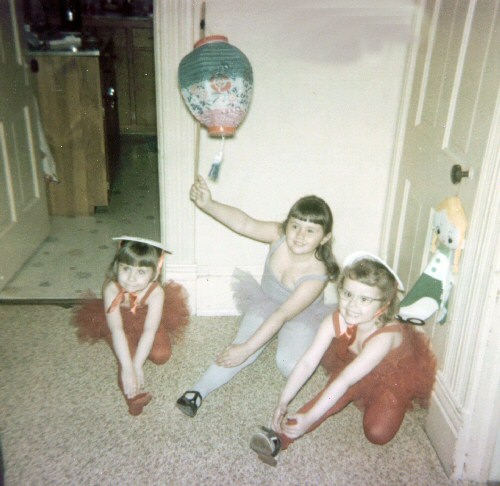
(289, 300)
(137, 316)
(374, 360)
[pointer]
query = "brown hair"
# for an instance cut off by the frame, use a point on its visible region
(373, 273)
(135, 254)
(316, 210)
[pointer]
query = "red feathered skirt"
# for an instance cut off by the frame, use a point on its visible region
(91, 324)
(405, 375)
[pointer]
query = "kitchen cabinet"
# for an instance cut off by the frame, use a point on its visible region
(75, 93)
(134, 66)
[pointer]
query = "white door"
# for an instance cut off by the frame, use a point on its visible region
(24, 220)
(452, 111)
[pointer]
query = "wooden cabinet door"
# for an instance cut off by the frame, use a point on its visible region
(24, 222)
(71, 106)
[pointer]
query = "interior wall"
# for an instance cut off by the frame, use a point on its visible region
(327, 86)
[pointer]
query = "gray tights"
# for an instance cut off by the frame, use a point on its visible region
(294, 338)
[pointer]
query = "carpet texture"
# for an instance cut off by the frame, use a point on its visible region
(64, 422)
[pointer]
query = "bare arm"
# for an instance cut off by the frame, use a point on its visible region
(303, 296)
(304, 369)
(120, 343)
(371, 355)
(235, 219)
(153, 318)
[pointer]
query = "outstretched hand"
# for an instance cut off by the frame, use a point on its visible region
(279, 415)
(295, 425)
(200, 193)
(233, 355)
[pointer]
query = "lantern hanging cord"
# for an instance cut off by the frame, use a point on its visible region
(213, 175)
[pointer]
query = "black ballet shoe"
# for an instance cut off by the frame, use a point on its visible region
(189, 406)
(267, 446)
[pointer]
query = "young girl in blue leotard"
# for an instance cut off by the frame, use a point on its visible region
(288, 301)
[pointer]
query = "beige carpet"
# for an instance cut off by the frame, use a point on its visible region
(63, 420)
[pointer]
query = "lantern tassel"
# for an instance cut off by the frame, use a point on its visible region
(213, 175)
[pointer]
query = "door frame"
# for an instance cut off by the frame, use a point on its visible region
(463, 429)
(174, 35)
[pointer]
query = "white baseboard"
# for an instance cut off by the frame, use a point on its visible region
(442, 425)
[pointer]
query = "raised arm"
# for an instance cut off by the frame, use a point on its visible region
(120, 343)
(235, 219)
(303, 296)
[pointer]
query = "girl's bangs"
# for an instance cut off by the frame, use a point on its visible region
(308, 214)
(134, 260)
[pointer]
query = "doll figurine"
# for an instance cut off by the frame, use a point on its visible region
(431, 292)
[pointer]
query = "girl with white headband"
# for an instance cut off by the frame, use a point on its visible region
(137, 316)
(374, 360)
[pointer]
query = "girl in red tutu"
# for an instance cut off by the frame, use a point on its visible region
(137, 316)
(375, 361)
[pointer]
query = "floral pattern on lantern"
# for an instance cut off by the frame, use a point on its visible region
(216, 82)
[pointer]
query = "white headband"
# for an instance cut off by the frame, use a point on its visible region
(143, 240)
(361, 255)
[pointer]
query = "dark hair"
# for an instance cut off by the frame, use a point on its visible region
(135, 254)
(373, 273)
(316, 210)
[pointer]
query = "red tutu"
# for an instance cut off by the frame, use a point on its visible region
(408, 371)
(90, 318)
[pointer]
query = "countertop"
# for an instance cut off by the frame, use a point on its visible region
(68, 44)
(65, 52)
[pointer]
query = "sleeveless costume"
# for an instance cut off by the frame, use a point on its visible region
(91, 323)
(407, 373)
(264, 299)
(256, 302)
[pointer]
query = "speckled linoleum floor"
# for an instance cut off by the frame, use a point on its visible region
(74, 258)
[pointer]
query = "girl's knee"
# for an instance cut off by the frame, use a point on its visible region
(161, 350)
(379, 434)
(383, 418)
(160, 356)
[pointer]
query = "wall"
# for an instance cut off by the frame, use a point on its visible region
(327, 86)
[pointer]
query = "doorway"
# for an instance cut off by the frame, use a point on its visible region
(73, 260)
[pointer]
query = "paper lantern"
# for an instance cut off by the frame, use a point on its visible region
(216, 82)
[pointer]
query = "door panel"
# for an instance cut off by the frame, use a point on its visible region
(453, 114)
(451, 109)
(24, 220)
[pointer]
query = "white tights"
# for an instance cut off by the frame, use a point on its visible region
(294, 338)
